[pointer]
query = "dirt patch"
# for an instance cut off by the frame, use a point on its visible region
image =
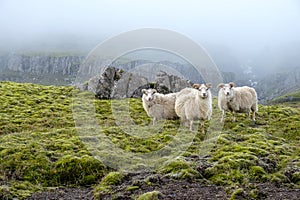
(169, 189)
(64, 194)
(269, 191)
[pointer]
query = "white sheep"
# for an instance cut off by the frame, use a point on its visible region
(194, 104)
(159, 106)
(237, 99)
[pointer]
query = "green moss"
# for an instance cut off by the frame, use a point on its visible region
(105, 186)
(113, 178)
(5, 192)
(83, 170)
(257, 173)
(296, 178)
(18, 189)
(179, 169)
(277, 178)
(132, 188)
(149, 196)
(237, 194)
(40, 146)
(152, 85)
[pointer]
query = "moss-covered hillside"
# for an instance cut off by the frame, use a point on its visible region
(291, 98)
(41, 148)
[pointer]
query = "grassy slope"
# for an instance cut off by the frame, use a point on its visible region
(290, 98)
(40, 146)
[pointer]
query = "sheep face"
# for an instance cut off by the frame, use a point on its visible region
(148, 95)
(203, 88)
(227, 89)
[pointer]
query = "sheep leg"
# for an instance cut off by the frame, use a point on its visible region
(202, 126)
(223, 115)
(184, 122)
(154, 121)
(233, 114)
(191, 125)
(253, 115)
(254, 110)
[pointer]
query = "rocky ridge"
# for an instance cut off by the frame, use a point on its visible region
(116, 83)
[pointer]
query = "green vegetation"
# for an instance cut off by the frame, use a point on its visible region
(41, 147)
(179, 168)
(105, 186)
(289, 97)
(149, 196)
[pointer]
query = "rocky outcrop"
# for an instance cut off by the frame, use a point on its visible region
(115, 83)
(103, 85)
(128, 84)
(166, 83)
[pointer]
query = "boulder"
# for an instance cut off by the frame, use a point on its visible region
(128, 85)
(166, 83)
(102, 85)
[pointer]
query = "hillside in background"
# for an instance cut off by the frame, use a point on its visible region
(62, 68)
(43, 152)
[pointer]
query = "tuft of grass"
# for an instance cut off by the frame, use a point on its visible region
(179, 169)
(149, 196)
(105, 186)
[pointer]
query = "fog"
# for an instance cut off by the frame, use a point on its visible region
(263, 34)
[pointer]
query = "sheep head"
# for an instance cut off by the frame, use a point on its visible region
(148, 94)
(203, 88)
(227, 89)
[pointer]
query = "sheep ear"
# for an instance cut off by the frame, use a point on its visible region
(144, 91)
(221, 85)
(232, 84)
(208, 85)
(154, 90)
(196, 86)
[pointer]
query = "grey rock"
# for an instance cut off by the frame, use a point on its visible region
(128, 85)
(103, 84)
(166, 83)
(115, 83)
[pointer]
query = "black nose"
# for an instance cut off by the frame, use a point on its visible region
(227, 93)
(204, 94)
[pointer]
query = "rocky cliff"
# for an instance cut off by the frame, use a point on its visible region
(43, 69)
(42, 64)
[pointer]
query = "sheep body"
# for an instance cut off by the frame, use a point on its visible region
(159, 106)
(237, 100)
(194, 104)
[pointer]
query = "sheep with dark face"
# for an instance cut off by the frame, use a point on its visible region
(194, 104)
(159, 106)
(237, 99)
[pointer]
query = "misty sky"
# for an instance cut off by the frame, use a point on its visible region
(230, 21)
(229, 29)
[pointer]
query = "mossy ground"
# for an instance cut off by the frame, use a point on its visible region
(40, 146)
